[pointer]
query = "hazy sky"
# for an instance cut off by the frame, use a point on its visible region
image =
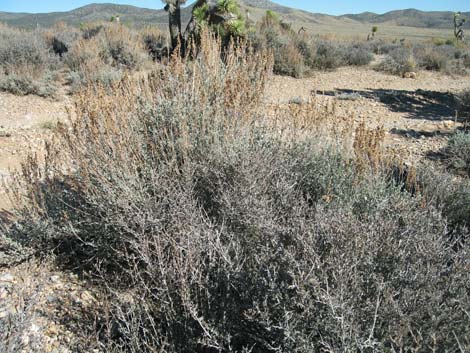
(335, 7)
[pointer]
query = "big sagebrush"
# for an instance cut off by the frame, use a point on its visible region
(214, 228)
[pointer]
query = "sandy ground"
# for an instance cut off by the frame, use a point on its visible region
(417, 114)
(25, 123)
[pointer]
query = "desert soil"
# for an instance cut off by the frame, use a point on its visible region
(417, 114)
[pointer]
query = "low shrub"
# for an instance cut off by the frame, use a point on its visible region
(463, 101)
(457, 153)
(214, 229)
(156, 43)
(381, 47)
(25, 63)
(121, 47)
(298, 54)
(289, 61)
(90, 30)
(19, 49)
(24, 85)
(104, 77)
(398, 62)
(357, 55)
(105, 57)
(432, 59)
(466, 60)
(328, 55)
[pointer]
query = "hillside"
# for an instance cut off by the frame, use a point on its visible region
(412, 24)
(411, 18)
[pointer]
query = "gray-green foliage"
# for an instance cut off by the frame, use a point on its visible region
(463, 101)
(248, 243)
(398, 62)
(23, 85)
(457, 153)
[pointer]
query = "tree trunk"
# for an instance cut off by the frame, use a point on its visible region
(174, 17)
(192, 25)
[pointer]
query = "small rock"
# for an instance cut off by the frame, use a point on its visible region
(54, 278)
(52, 330)
(7, 278)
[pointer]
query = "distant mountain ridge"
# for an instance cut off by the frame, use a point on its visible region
(410, 18)
(141, 17)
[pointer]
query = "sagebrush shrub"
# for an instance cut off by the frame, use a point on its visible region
(466, 60)
(457, 152)
(289, 61)
(463, 101)
(217, 228)
(104, 57)
(121, 47)
(432, 58)
(357, 55)
(19, 49)
(328, 55)
(25, 63)
(24, 85)
(155, 43)
(398, 62)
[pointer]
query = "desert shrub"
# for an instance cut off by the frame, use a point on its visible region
(24, 85)
(433, 59)
(215, 229)
(466, 61)
(290, 51)
(121, 47)
(104, 77)
(25, 63)
(357, 55)
(450, 196)
(381, 47)
(307, 49)
(21, 49)
(90, 30)
(398, 62)
(457, 153)
(60, 38)
(288, 60)
(155, 42)
(105, 57)
(463, 101)
(328, 55)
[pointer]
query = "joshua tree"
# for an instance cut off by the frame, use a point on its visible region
(173, 7)
(458, 24)
(223, 16)
(373, 32)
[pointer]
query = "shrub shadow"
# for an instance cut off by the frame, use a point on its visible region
(418, 104)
